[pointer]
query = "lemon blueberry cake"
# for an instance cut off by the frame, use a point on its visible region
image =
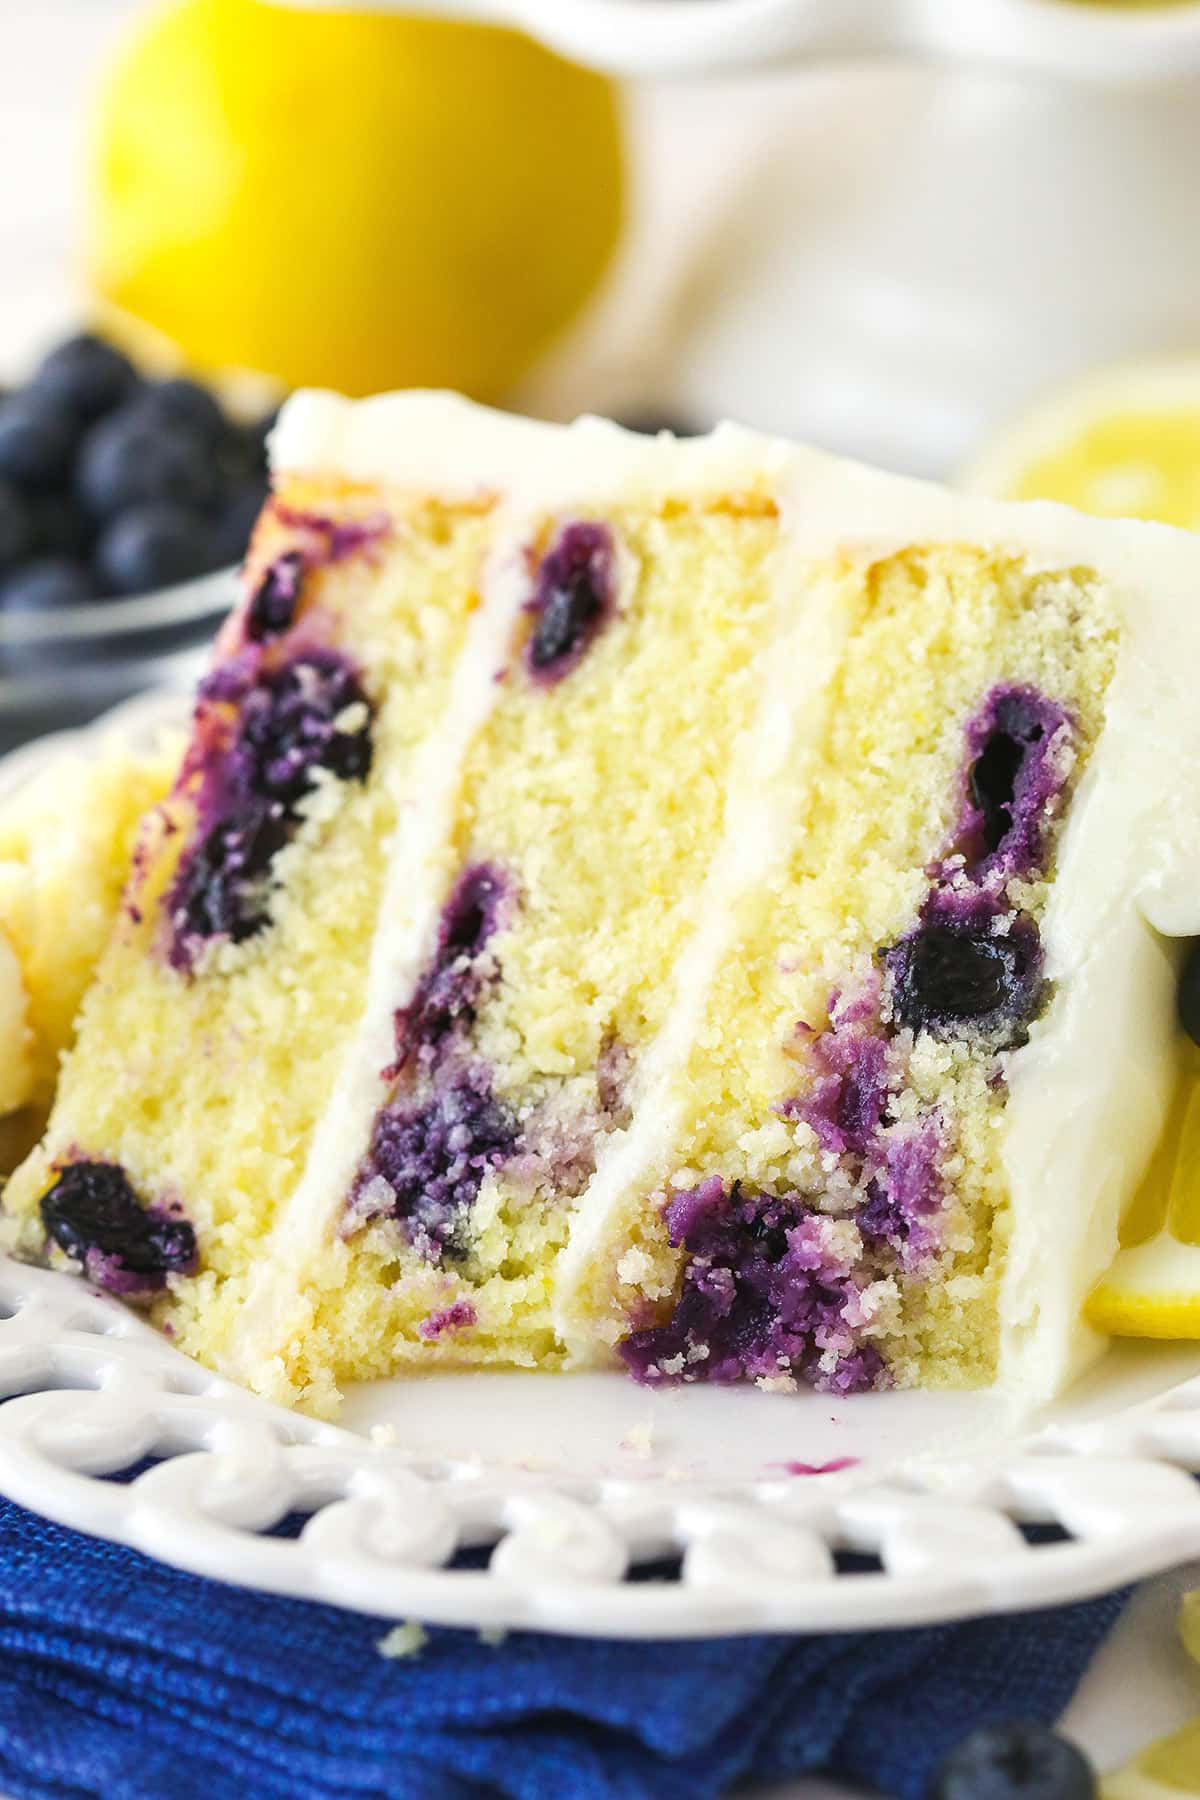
(701, 906)
(66, 838)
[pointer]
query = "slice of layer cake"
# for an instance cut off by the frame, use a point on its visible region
(66, 837)
(689, 905)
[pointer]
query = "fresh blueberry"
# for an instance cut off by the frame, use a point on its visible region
(93, 1214)
(1014, 1762)
(185, 403)
(128, 460)
(87, 375)
(948, 974)
(60, 526)
(17, 535)
(1189, 992)
(37, 440)
(239, 519)
(151, 547)
(48, 584)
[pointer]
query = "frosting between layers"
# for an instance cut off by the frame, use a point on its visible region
(1089, 1090)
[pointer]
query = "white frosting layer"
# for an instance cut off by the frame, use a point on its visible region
(1088, 1093)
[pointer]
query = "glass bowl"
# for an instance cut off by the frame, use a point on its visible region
(62, 669)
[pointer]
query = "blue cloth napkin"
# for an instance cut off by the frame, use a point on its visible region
(123, 1679)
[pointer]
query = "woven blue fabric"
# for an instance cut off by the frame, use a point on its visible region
(123, 1679)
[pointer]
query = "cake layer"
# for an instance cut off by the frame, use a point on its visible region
(221, 1011)
(831, 1201)
(66, 838)
(696, 905)
(582, 830)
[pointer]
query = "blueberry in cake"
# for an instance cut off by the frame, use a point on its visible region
(701, 906)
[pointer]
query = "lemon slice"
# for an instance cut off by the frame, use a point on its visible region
(1153, 1287)
(1124, 443)
(1189, 1623)
(1167, 1769)
(1171, 1766)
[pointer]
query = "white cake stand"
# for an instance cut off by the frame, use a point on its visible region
(915, 247)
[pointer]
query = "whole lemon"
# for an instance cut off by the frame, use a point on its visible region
(353, 200)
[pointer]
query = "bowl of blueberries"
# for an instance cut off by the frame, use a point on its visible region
(125, 506)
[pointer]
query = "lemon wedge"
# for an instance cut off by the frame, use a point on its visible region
(1170, 1766)
(1123, 443)
(1153, 1287)
(1165, 1770)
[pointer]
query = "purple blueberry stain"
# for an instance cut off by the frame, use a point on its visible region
(906, 1194)
(95, 1217)
(769, 1289)
(442, 1129)
(330, 540)
(263, 732)
(573, 598)
(847, 1092)
(1020, 746)
(459, 1316)
(460, 970)
(428, 1158)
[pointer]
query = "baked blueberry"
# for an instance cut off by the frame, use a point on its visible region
(992, 784)
(17, 534)
(37, 440)
(224, 888)
(572, 598)
(128, 460)
(273, 604)
(151, 547)
(48, 584)
(955, 973)
(433, 1154)
(93, 1214)
(291, 721)
(448, 992)
(1019, 743)
(1014, 1762)
(87, 375)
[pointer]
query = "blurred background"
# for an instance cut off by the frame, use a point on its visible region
(959, 242)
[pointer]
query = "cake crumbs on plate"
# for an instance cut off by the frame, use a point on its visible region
(639, 1440)
(408, 1639)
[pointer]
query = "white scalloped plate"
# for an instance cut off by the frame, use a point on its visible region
(583, 1503)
